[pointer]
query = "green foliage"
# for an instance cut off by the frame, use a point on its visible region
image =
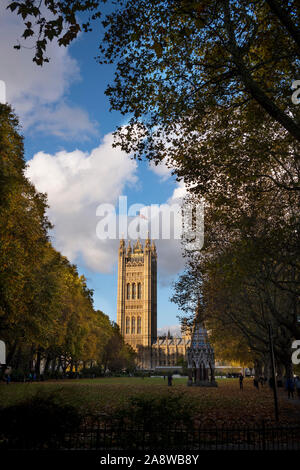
(46, 308)
(156, 411)
(63, 25)
(91, 372)
(178, 61)
(23, 235)
(117, 354)
(245, 278)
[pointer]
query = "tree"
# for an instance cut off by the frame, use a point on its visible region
(176, 57)
(47, 318)
(206, 83)
(117, 355)
(246, 277)
(23, 237)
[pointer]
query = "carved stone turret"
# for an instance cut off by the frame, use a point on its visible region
(122, 246)
(200, 356)
(138, 247)
(147, 243)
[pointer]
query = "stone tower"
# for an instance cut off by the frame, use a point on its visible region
(137, 295)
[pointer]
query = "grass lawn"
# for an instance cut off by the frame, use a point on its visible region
(103, 395)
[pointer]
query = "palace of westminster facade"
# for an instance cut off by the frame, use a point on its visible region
(137, 308)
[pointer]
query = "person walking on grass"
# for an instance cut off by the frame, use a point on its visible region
(170, 378)
(297, 384)
(241, 379)
(261, 381)
(290, 385)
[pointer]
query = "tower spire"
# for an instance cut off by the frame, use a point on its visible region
(138, 247)
(147, 243)
(122, 246)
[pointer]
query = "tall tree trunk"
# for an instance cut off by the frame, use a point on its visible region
(58, 365)
(267, 368)
(257, 368)
(31, 357)
(53, 365)
(38, 363)
(18, 358)
(279, 370)
(11, 353)
(64, 365)
(47, 364)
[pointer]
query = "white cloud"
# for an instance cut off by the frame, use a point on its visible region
(62, 120)
(38, 94)
(76, 183)
(162, 170)
(175, 330)
(179, 192)
(170, 260)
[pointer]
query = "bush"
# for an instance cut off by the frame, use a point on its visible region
(155, 412)
(90, 372)
(140, 373)
(17, 375)
(38, 422)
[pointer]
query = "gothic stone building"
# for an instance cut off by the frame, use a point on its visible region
(137, 307)
(200, 356)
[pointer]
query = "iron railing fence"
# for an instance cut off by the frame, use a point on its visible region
(121, 436)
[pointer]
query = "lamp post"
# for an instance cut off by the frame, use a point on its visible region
(273, 373)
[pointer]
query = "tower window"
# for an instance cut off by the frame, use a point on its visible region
(133, 290)
(128, 292)
(133, 325)
(139, 325)
(139, 292)
(127, 325)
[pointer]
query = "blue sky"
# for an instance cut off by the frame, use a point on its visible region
(67, 125)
